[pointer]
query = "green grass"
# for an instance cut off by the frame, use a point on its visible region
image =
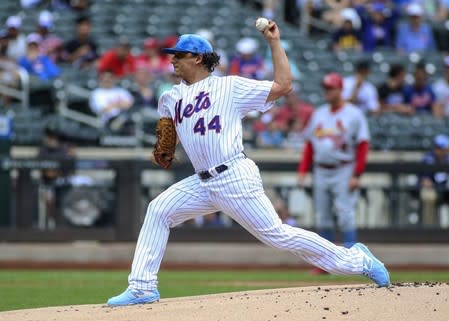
(41, 288)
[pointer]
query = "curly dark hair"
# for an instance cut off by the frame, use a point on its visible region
(395, 70)
(211, 60)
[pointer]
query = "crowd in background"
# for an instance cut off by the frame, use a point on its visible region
(402, 26)
(367, 25)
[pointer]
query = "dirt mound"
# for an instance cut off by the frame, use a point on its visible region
(409, 301)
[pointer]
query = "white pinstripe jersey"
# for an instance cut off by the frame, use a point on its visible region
(208, 113)
(334, 135)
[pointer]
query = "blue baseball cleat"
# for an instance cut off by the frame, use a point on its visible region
(133, 296)
(372, 267)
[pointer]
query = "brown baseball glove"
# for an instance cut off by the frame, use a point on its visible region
(164, 151)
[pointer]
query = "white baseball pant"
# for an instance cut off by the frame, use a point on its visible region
(237, 192)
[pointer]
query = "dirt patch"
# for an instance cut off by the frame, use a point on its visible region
(410, 301)
(267, 284)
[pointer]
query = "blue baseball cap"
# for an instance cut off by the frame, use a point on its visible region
(190, 43)
(378, 7)
(441, 141)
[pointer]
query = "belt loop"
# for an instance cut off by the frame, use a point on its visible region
(213, 171)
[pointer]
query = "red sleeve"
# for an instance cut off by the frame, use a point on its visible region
(104, 62)
(131, 67)
(360, 157)
(307, 158)
(234, 67)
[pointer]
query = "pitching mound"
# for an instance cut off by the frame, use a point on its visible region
(411, 301)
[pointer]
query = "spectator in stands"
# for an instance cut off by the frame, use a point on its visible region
(291, 11)
(3, 45)
(269, 8)
(347, 36)
(51, 45)
(299, 12)
(118, 60)
(9, 75)
(295, 139)
(293, 110)
(15, 40)
(81, 51)
(111, 102)
(288, 120)
(153, 60)
(169, 78)
(54, 148)
(144, 110)
(169, 41)
(440, 23)
(435, 12)
(142, 89)
(332, 13)
(391, 92)
(222, 68)
(434, 187)
(37, 64)
(378, 26)
(441, 89)
(420, 95)
(167, 83)
(75, 5)
(28, 4)
(271, 136)
(12, 46)
(80, 5)
(358, 90)
(414, 35)
(246, 62)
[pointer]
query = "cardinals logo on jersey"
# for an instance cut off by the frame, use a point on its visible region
(336, 134)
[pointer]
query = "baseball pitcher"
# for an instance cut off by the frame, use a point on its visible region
(206, 113)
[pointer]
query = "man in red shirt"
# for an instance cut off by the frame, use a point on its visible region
(293, 110)
(158, 64)
(118, 60)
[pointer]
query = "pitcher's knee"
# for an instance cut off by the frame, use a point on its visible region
(278, 239)
(155, 213)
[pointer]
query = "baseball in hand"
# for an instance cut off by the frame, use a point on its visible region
(261, 23)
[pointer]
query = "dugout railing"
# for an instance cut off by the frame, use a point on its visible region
(124, 187)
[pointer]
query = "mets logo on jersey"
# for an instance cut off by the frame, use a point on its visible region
(202, 101)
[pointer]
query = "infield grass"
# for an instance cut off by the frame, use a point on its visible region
(21, 289)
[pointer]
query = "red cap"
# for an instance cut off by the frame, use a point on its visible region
(170, 41)
(332, 81)
(151, 43)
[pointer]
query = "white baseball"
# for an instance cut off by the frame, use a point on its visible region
(261, 23)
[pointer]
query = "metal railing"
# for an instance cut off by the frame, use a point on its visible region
(23, 93)
(63, 91)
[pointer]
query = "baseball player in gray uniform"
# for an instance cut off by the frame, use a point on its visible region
(207, 111)
(337, 139)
